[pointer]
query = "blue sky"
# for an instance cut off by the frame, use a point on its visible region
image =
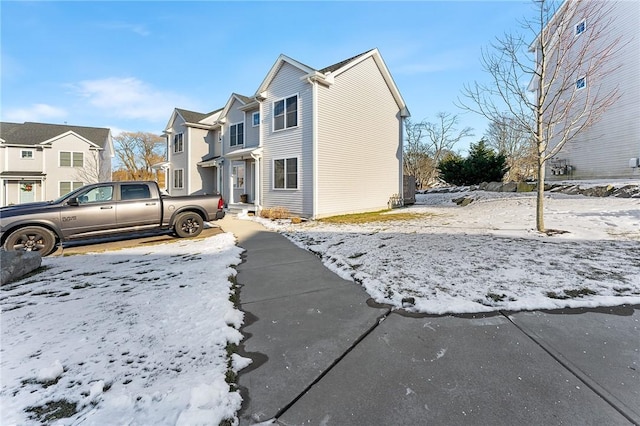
(126, 65)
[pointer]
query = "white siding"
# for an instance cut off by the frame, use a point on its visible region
(604, 150)
(359, 143)
(55, 173)
(179, 160)
(288, 143)
(251, 134)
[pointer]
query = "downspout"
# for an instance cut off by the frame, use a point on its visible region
(188, 152)
(314, 146)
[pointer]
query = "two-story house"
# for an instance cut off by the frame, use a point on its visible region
(318, 142)
(592, 50)
(40, 162)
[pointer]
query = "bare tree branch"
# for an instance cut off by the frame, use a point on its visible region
(535, 83)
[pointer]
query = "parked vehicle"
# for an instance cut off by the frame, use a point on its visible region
(104, 209)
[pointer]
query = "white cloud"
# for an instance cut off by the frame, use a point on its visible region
(129, 98)
(36, 112)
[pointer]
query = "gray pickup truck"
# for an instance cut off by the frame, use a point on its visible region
(104, 209)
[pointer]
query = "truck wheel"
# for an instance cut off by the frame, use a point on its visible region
(188, 224)
(31, 238)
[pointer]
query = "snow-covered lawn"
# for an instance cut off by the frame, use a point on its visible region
(487, 255)
(136, 336)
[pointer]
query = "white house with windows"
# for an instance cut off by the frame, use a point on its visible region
(609, 148)
(40, 162)
(318, 142)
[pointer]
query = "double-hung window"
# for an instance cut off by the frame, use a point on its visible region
(26, 154)
(178, 143)
(285, 173)
(285, 113)
(71, 159)
(178, 175)
(255, 119)
(236, 134)
(67, 187)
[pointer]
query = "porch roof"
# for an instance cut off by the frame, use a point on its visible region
(240, 153)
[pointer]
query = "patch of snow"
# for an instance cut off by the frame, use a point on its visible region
(487, 255)
(139, 336)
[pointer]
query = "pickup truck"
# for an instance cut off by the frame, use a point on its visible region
(104, 209)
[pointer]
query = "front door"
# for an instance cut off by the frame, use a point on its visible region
(27, 192)
(239, 180)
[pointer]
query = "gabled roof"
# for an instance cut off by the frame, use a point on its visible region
(337, 66)
(326, 75)
(192, 116)
(30, 133)
(244, 100)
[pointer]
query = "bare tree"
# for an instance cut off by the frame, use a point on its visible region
(552, 94)
(136, 153)
(444, 135)
(92, 170)
(416, 161)
(516, 143)
(427, 144)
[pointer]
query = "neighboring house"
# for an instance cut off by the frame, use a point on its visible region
(316, 142)
(610, 148)
(40, 162)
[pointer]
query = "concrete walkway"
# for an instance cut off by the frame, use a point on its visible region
(325, 355)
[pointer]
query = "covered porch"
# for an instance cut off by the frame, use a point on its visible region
(242, 187)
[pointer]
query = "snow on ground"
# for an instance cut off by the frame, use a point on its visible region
(487, 255)
(136, 336)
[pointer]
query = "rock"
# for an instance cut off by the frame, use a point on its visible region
(509, 187)
(463, 201)
(627, 191)
(494, 186)
(16, 264)
(525, 187)
(598, 191)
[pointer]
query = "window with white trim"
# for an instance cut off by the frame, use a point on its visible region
(285, 113)
(255, 119)
(26, 154)
(581, 83)
(178, 175)
(285, 173)
(236, 134)
(178, 143)
(580, 27)
(71, 159)
(67, 187)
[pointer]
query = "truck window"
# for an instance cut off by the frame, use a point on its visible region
(96, 195)
(134, 192)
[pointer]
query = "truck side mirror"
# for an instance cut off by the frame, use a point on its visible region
(73, 201)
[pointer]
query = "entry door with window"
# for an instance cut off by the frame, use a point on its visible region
(238, 177)
(27, 192)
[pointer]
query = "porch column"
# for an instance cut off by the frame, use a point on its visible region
(256, 182)
(231, 188)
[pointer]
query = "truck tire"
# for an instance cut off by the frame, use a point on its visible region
(188, 224)
(31, 238)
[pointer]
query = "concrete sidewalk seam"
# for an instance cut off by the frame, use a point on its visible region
(290, 295)
(605, 395)
(378, 321)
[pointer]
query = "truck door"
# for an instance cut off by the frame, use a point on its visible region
(95, 211)
(136, 206)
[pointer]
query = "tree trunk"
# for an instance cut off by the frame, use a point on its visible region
(540, 196)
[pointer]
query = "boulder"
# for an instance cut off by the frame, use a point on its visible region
(16, 264)
(494, 186)
(525, 187)
(509, 187)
